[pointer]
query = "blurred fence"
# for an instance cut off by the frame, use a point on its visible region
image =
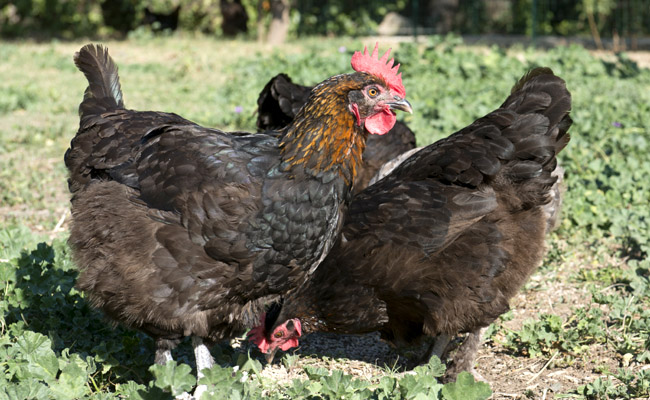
(617, 22)
(622, 22)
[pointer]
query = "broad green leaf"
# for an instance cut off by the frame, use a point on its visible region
(71, 383)
(36, 350)
(434, 368)
(26, 389)
(414, 385)
(216, 374)
(465, 388)
(423, 396)
(316, 373)
(173, 378)
(134, 391)
(249, 364)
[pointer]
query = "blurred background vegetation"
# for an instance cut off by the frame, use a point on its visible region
(622, 21)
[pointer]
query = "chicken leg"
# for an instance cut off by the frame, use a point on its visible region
(464, 358)
(204, 360)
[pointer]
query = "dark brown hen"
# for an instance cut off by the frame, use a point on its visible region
(181, 230)
(234, 18)
(160, 22)
(442, 243)
(281, 99)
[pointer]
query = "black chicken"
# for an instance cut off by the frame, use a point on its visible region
(280, 101)
(162, 22)
(442, 243)
(234, 18)
(181, 230)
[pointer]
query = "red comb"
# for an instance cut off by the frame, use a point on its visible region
(380, 67)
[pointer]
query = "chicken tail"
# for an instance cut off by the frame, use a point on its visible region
(279, 102)
(556, 105)
(543, 103)
(103, 92)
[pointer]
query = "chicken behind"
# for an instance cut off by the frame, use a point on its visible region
(440, 245)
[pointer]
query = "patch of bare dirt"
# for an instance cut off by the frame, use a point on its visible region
(362, 356)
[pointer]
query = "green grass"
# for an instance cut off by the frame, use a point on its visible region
(52, 345)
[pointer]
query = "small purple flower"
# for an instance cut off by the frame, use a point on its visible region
(342, 49)
(616, 124)
(239, 109)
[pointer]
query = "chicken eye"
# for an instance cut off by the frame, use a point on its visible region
(278, 334)
(372, 92)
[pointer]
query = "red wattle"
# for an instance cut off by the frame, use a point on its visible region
(381, 123)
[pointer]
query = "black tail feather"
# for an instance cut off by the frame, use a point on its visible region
(542, 82)
(103, 92)
(545, 103)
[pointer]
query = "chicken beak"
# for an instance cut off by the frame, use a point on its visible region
(270, 355)
(401, 104)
